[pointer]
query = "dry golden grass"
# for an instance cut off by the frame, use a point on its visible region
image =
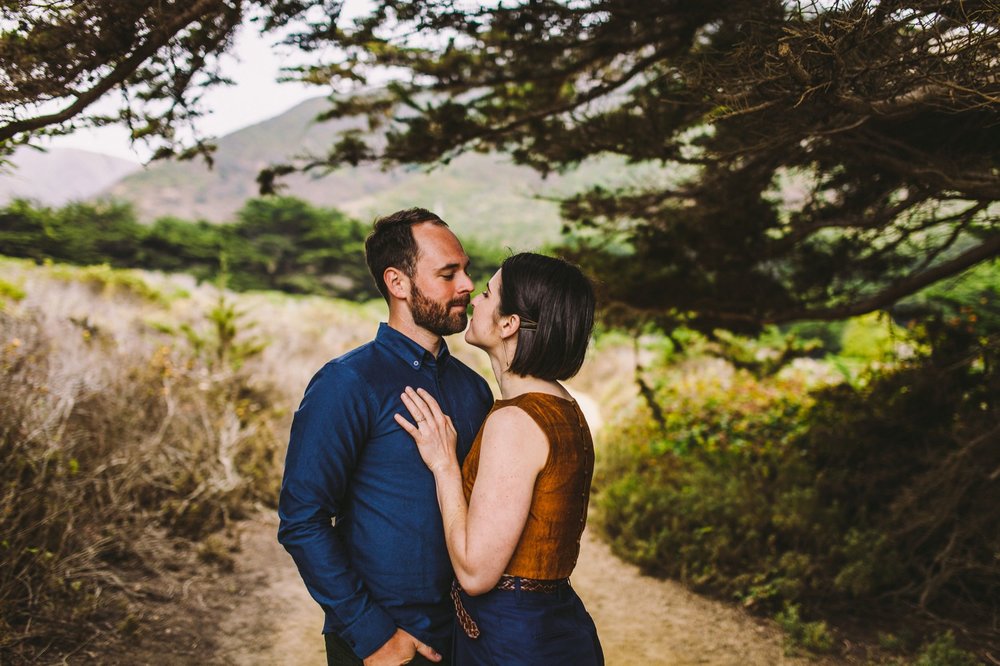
(140, 411)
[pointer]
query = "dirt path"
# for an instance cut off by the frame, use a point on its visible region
(641, 620)
(277, 622)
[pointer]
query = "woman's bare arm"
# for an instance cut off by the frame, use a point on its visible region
(482, 534)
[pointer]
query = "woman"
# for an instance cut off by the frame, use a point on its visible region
(514, 512)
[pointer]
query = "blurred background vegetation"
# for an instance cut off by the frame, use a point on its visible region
(789, 209)
(279, 243)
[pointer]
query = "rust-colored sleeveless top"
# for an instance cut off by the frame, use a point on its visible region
(550, 543)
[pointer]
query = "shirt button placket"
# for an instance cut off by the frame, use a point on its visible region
(445, 405)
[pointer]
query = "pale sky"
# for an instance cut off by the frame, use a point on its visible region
(253, 65)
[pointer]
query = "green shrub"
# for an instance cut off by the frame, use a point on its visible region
(871, 337)
(942, 651)
(829, 334)
(874, 494)
(719, 488)
(109, 281)
(81, 233)
(812, 636)
(223, 341)
(11, 291)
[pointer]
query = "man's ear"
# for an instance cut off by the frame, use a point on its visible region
(397, 282)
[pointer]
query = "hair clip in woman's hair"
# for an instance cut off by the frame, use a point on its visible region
(528, 324)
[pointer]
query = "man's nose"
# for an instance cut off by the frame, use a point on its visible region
(465, 284)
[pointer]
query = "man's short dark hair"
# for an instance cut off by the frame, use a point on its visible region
(391, 243)
(555, 302)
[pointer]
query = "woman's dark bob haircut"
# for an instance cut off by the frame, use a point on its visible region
(555, 303)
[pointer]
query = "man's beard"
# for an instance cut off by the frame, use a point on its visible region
(437, 318)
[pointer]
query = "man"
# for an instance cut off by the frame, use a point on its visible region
(358, 508)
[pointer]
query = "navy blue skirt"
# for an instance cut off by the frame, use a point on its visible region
(519, 628)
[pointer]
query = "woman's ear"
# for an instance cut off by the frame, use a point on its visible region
(397, 283)
(509, 325)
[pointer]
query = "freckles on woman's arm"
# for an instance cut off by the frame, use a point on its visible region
(513, 451)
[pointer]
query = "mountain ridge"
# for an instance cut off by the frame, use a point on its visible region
(482, 196)
(57, 176)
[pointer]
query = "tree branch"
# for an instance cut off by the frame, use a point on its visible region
(122, 71)
(986, 250)
(594, 93)
(798, 234)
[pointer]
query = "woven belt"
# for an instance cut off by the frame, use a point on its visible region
(465, 620)
(508, 584)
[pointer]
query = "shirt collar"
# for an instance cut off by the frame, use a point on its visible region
(408, 350)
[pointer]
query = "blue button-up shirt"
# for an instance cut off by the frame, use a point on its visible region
(358, 508)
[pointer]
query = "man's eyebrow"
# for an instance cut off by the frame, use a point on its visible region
(454, 266)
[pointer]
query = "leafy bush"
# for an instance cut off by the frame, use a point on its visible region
(828, 334)
(813, 636)
(870, 337)
(877, 494)
(109, 281)
(9, 291)
(942, 651)
(716, 490)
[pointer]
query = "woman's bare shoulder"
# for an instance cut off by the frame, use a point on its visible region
(511, 429)
(511, 418)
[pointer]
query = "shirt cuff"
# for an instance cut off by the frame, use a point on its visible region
(369, 631)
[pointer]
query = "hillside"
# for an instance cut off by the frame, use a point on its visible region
(481, 196)
(60, 175)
